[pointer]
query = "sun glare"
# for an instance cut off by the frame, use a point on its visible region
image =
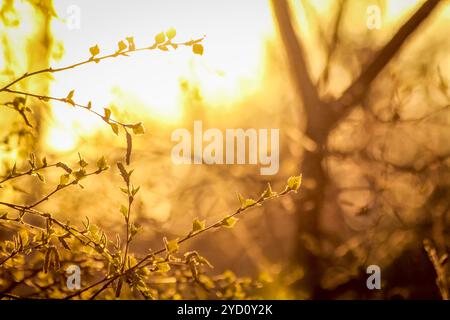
(61, 139)
(228, 70)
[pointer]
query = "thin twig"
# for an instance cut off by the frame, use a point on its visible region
(190, 235)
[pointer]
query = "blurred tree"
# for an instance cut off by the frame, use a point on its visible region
(325, 115)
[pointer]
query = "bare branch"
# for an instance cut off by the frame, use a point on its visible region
(356, 91)
(295, 52)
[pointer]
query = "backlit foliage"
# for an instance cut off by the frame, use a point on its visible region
(41, 246)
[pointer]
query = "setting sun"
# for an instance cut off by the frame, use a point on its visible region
(150, 82)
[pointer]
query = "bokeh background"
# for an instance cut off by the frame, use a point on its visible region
(376, 186)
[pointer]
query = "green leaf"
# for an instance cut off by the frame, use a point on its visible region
(245, 203)
(82, 162)
(268, 192)
(248, 203)
(160, 38)
(197, 48)
(131, 44)
(198, 225)
(102, 164)
(122, 45)
(294, 183)
(70, 95)
(171, 33)
(95, 50)
(64, 179)
(229, 222)
(107, 114)
(163, 267)
(171, 246)
(79, 174)
(134, 191)
(32, 160)
(69, 98)
(115, 128)
(124, 211)
(133, 230)
(138, 128)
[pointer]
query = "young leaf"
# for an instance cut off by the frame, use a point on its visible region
(294, 183)
(124, 211)
(229, 222)
(13, 170)
(245, 203)
(115, 128)
(102, 164)
(268, 192)
(69, 98)
(79, 174)
(70, 95)
(131, 44)
(248, 203)
(107, 114)
(135, 190)
(171, 33)
(197, 48)
(163, 267)
(160, 38)
(122, 46)
(32, 160)
(95, 50)
(198, 225)
(171, 246)
(64, 179)
(138, 128)
(82, 162)
(133, 230)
